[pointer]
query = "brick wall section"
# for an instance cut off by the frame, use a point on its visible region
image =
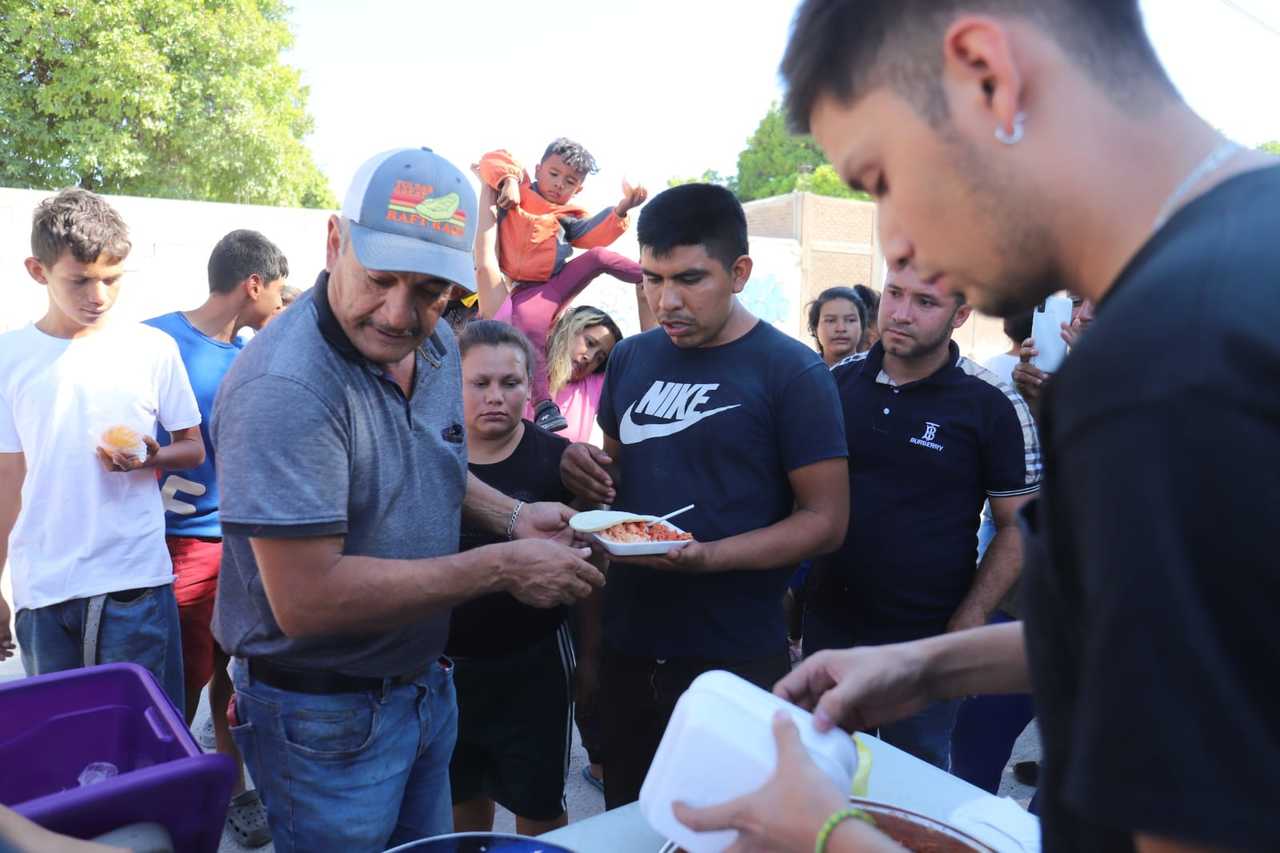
(772, 217)
(828, 269)
(837, 219)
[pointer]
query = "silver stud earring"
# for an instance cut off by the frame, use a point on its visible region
(1013, 137)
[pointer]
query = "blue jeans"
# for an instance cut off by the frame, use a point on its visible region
(925, 734)
(144, 631)
(350, 771)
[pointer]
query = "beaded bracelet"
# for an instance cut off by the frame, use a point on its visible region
(824, 834)
(511, 523)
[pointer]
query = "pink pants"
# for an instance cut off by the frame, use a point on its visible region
(533, 307)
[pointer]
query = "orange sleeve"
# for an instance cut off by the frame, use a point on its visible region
(609, 227)
(499, 164)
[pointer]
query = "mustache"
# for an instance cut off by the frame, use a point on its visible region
(411, 332)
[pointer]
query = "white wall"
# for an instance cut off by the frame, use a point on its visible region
(166, 271)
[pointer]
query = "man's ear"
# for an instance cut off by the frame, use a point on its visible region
(981, 74)
(36, 270)
(961, 316)
(332, 244)
(741, 272)
(253, 286)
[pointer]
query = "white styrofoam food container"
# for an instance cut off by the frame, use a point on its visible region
(719, 745)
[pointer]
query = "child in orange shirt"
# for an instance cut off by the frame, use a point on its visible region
(538, 229)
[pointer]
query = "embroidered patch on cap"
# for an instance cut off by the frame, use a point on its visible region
(413, 204)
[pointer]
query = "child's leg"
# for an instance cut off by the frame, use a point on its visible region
(534, 306)
(580, 272)
(533, 313)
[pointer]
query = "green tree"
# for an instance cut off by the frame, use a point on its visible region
(710, 176)
(1272, 147)
(171, 98)
(825, 180)
(774, 158)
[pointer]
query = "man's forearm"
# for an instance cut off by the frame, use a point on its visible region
(991, 659)
(1000, 569)
(486, 507)
(357, 594)
(804, 534)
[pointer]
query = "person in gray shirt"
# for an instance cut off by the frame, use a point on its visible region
(343, 467)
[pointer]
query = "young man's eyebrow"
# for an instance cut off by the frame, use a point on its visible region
(684, 273)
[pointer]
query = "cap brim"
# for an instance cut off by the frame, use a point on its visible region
(378, 250)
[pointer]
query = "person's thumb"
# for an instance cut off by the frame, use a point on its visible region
(787, 737)
(710, 818)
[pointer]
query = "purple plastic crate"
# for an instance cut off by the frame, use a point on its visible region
(53, 726)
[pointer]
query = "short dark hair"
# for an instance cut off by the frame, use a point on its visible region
(704, 215)
(574, 156)
(845, 48)
(830, 295)
(495, 333)
(1018, 327)
(79, 222)
(243, 253)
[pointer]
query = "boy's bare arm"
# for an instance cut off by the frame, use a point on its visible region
(13, 470)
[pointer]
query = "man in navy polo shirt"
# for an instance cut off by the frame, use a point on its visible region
(931, 436)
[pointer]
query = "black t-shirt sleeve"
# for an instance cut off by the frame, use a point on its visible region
(810, 419)
(1177, 730)
(1011, 457)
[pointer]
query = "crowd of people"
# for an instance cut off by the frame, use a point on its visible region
(350, 520)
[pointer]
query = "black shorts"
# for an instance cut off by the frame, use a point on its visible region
(514, 728)
(638, 696)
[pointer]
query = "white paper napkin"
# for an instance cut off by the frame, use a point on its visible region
(1001, 823)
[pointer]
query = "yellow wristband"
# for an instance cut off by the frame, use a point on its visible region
(824, 834)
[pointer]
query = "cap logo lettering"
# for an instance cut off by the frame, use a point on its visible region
(413, 204)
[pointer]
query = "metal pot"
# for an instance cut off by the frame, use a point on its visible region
(480, 842)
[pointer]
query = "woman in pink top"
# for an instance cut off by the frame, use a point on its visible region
(577, 353)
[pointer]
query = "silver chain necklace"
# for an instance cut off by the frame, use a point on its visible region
(1216, 158)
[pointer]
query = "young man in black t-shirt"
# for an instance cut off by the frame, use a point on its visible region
(1015, 148)
(718, 409)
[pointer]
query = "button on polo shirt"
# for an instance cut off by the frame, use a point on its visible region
(923, 457)
(314, 440)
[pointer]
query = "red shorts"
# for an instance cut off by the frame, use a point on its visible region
(195, 571)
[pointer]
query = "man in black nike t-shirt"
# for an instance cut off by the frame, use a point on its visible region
(718, 409)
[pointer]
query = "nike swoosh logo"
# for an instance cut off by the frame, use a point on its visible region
(630, 432)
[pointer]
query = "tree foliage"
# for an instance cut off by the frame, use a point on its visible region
(710, 176)
(775, 162)
(774, 158)
(171, 98)
(1272, 147)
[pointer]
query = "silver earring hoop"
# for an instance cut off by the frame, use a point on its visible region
(1014, 136)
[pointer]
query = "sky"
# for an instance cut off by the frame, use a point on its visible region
(653, 89)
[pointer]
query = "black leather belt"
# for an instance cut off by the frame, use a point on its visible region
(317, 681)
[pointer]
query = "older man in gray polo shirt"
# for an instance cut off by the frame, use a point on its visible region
(344, 479)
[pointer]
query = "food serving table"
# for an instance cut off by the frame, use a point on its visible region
(897, 778)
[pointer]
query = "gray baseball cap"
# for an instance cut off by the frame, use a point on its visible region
(411, 210)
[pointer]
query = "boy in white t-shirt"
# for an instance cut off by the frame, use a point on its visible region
(81, 517)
